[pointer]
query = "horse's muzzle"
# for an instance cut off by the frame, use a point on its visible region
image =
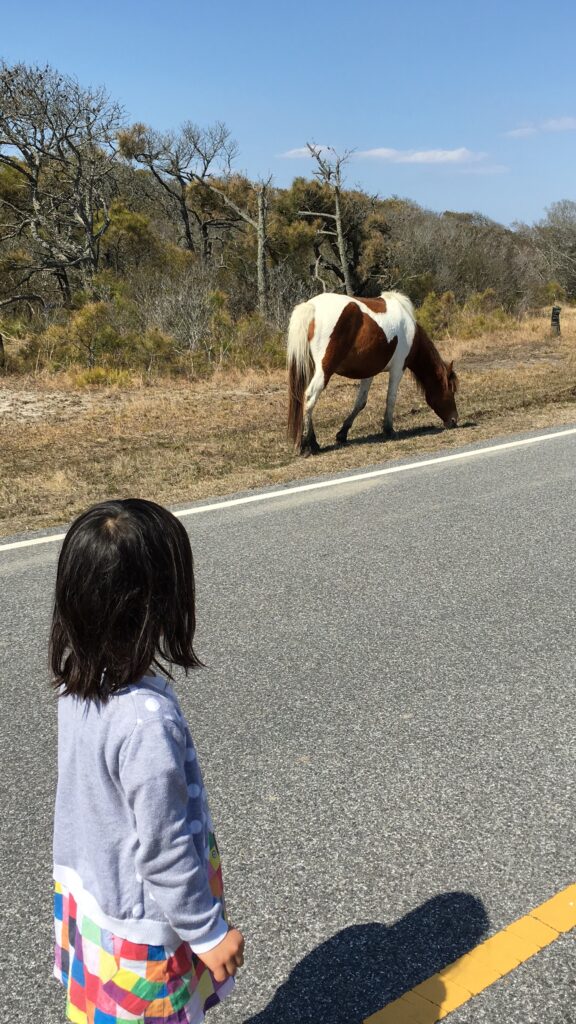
(449, 424)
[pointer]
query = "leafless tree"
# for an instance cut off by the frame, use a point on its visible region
(555, 240)
(329, 172)
(57, 137)
(178, 161)
(196, 163)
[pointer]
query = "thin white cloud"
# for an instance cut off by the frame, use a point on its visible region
(560, 124)
(553, 124)
(421, 156)
(402, 156)
(521, 133)
(301, 153)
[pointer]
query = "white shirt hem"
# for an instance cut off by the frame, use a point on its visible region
(141, 930)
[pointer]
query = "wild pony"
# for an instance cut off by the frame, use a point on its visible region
(358, 338)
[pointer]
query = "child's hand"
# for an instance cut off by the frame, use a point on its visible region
(225, 958)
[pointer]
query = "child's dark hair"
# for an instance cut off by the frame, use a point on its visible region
(124, 596)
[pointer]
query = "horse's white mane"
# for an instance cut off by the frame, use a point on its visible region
(403, 300)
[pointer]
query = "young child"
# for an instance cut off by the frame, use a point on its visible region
(141, 933)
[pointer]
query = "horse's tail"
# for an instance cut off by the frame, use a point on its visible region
(298, 362)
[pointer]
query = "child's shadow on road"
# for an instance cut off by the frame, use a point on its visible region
(362, 968)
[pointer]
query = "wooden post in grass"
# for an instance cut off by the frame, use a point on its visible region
(556, 319)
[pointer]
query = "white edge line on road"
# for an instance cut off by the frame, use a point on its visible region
(333, 482)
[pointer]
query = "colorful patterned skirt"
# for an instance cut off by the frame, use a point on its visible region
(110, 980)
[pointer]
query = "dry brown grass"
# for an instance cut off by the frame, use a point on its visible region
(64, 448)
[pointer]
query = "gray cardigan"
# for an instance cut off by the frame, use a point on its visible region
(132, 829)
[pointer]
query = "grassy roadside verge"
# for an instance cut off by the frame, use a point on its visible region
(63, 448)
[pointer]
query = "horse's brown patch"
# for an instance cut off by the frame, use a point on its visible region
(376, 305)
(358, 347)
(311, 329)
(342, 338)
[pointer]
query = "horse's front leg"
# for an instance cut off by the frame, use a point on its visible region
(309, 445)
(394, 378)
(359, 404)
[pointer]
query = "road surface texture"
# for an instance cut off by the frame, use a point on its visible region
(386, 726)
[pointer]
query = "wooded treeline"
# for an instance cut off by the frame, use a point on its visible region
(127, 246)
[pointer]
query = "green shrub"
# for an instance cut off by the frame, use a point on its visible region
(258, 344)
(249, 342)
(419, 286)
(220, 332)
(480, 314)
(437, 313)
(101, 334)
(549, 294)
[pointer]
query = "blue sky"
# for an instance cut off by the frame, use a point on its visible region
(427, 93)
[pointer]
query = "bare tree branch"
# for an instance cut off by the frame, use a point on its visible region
(28, 297)
(59, 138)
(329, 173)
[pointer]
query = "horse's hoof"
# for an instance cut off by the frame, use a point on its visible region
(309, 450)
(342, 438)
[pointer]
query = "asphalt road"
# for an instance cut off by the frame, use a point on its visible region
(386, 727)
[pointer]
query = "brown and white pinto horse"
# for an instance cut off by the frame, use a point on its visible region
(359, 338)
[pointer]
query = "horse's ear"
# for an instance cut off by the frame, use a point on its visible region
(452, 376)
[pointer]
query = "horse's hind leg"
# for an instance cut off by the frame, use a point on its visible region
(361, 399)
(309, 444)
(393, 383)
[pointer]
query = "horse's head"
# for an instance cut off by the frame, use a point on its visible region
(441, 395)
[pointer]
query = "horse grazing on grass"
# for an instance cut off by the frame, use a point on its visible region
(359, 338)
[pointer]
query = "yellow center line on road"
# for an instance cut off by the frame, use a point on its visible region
(464, 979)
